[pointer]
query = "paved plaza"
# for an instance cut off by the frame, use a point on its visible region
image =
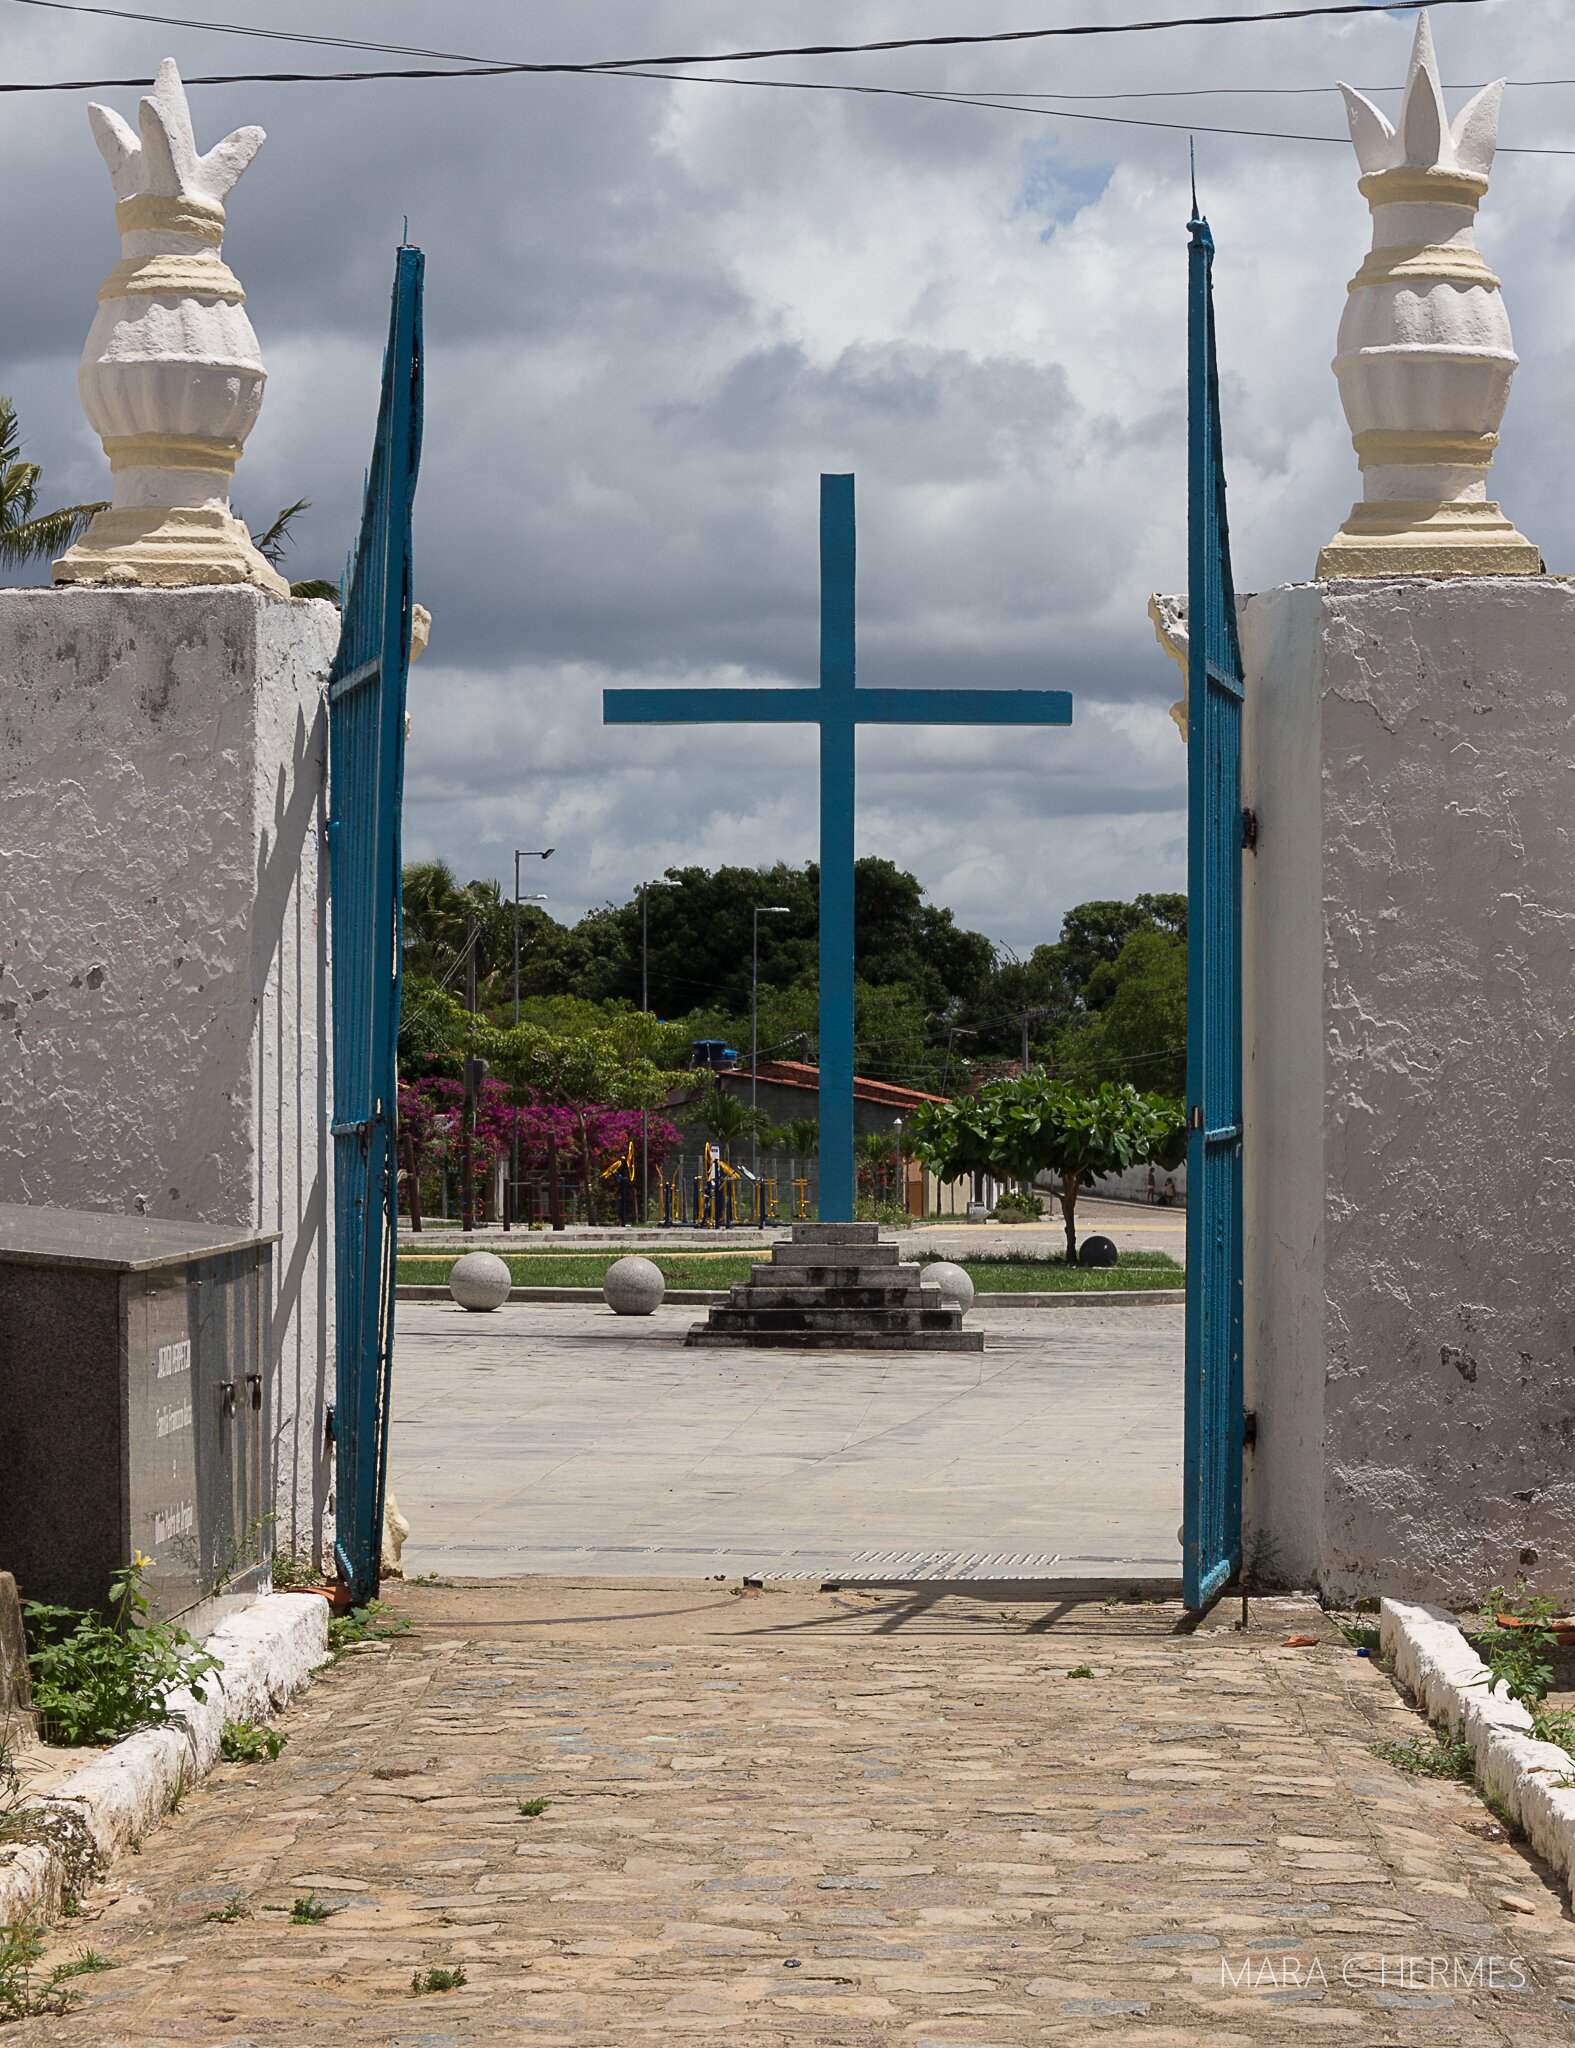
(840, 1819)
(555, 1438)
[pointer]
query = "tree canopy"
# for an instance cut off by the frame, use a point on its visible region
(1033, 1124)
(937, 1007)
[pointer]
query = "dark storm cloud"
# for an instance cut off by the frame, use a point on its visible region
(656, 313)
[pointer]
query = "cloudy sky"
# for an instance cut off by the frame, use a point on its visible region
(657, 311)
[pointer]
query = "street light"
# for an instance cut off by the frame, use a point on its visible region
(520, 853)
(761, 910)
(645, 1005)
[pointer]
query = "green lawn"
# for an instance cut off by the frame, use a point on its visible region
(679, 1269)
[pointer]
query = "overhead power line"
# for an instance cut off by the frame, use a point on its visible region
(454, 64)
(476, 67)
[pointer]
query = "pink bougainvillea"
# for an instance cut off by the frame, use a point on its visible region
(429, 1127)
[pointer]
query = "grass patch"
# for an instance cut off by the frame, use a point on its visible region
(1000, 1275)
(1437, 1756)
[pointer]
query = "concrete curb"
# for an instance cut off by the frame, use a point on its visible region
(269, 1651)
(700, 1297)
(1532, 1778)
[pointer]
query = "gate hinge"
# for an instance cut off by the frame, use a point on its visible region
(1195, 1118)
(1249, 830)
(1249, 1427)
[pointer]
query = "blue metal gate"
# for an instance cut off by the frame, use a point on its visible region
(1211, 1516)
(366, 743)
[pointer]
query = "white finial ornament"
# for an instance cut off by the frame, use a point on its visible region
(171, 379)
(1425, 356)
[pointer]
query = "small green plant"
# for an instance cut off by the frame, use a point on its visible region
(310, 1911)
(180, 1788)
(24, 1994)
(533, 1809)
(369, 1624)
(292, 1574)
(437, 1979)
(1016, 1207)
(86, 1965)
(1502, 1815)
(1555, 1725)
(1518, 1652)
(1359, 1635)
(233, 1909)
(97, 1677)
(1081, 1671)
(1260, 1562)
(245, 1742)
(1439, 1756)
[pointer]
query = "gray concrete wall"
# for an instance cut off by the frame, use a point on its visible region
(163, 947)
(1411, 985)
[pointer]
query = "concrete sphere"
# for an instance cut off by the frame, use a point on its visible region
(633, 1287)
(480, 1280)
(1098, 1251)
(953, 1282)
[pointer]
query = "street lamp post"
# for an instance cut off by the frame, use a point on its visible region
(661, 882)
(520, 853)
(761, 910)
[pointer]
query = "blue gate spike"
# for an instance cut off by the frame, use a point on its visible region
(1211, 1500)
(838, 707)
(366, 755)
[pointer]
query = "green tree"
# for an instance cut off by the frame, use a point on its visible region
(606, 1064)
(726, 1116)
(1034, 1123)
(26, 534)
(1136, 1025)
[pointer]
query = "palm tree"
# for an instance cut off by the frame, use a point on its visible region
(726, 1117)
(27, 535)
(804, 1136)
(272, 542)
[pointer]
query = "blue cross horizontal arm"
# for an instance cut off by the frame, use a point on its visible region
(838, 707)
(812, 707)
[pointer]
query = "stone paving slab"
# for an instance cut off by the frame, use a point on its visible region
(559, 1438)
(830, 1819)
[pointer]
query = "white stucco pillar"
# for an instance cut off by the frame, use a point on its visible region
(163, 948)
(1409, 1035)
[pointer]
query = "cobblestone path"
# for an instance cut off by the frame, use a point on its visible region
(843, 1818)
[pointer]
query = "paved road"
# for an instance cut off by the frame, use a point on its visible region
(840, 1820)
(1133, 1225)
(558, 1438)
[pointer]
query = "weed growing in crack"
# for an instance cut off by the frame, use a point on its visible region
(1439, 1756)
(245, 1742)
(437, 1978)
(25, 1994)
(533, 1809)
(232, 1910)
(310, 1911)
(369, 1624)
(1081, 1671)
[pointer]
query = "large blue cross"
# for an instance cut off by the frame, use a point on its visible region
(837, 707)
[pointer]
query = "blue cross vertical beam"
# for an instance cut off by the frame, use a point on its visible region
(838, 707)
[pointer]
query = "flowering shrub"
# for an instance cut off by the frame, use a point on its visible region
(429, 1122)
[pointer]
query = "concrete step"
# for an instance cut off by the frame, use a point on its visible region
(864, 1253)
(726, 1317)
(747, 1294)
(892, 1274)
(836, 1233)
(836, 1340)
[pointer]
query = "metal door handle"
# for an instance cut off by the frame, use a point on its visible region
(226, 1400)
(255, 1381)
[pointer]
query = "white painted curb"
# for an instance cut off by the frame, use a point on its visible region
(1535, 1780)
(269, 1650)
